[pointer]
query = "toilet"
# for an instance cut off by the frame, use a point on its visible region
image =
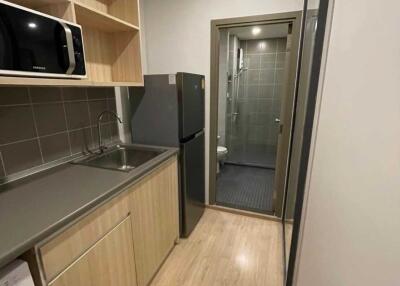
(221, 156)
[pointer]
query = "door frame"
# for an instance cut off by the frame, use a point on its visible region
(293, 18)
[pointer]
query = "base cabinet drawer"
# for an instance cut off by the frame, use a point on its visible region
(109, 262)
(65, 248)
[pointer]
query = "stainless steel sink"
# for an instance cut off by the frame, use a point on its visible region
(121, 157)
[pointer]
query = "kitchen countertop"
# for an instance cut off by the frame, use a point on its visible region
(33, 208)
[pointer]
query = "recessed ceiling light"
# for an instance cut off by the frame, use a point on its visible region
(256, 31)
(32, 25)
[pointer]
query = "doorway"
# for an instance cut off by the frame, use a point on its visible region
(254, 61)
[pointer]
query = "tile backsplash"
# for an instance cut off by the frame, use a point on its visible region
(39, 125)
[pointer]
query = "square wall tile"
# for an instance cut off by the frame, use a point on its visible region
(77, 114)
(45, 94)
(261, 46)
(105, 135)
(267, 77)
(74, 93)
(252, 91)
(14, 95)
(55, 147)
(100, 92)
(16, 123)
(95, 108)
(266, 91)
(50, 118)
(81, 140)
(267, 61)
(253, 61)
(21, 156)
(281, 44)
(253, 77)
(112, 104)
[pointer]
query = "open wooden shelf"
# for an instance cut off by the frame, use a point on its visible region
(111, 39)
(125, 10)
(87, 16)
(22, 81)
(37, 3)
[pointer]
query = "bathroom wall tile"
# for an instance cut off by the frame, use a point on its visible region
(55, 147)
(266, 91)
(14, 95)
(281, 45)
(74, 93)
(263, 119)
(252, 91)
(278, 91)
(95, 108)
(45, 94)
(100, 92)
(267, 76)
(280, 76)
(261, 46)
(16, 123)
(264, 105)
(50, 118)
(77, 114)
(81, 140)
(253, 77)
(281, 57)
(267, 61)
(253, 61)
(21, 156)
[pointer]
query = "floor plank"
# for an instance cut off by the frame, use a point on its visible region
(226, 249)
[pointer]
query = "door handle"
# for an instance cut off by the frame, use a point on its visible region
(277, 120)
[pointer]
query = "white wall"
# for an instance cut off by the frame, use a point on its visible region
(178, 33)
(352, 220)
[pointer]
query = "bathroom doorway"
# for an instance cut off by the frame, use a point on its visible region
(253, 87)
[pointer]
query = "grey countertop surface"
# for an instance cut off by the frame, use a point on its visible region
(33, 208)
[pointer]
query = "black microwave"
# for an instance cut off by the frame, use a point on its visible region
(39, 45)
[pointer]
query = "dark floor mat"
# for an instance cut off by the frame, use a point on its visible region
(244, 187)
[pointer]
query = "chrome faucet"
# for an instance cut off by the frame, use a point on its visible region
(99, 119)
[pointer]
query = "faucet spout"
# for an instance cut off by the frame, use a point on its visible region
(99, 120)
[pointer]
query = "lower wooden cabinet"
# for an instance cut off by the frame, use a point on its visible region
(121, 243)
(109, 262)
(155, 220)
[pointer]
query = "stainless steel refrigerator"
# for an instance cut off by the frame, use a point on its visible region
(169, 111)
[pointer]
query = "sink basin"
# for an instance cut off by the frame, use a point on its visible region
(121, 158)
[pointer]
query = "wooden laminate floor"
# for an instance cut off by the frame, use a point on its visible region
(226, 249)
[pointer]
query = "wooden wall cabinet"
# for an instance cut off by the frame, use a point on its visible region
(123, 242)
(111, 36)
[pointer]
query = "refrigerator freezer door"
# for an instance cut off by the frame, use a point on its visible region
(155, 112)
(191, 101)
(193, 183)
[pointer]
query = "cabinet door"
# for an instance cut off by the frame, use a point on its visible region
(109, 262)
(155, 219)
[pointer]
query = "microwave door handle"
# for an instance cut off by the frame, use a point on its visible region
(70, 47)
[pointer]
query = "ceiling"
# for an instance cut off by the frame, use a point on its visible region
(267, 31)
